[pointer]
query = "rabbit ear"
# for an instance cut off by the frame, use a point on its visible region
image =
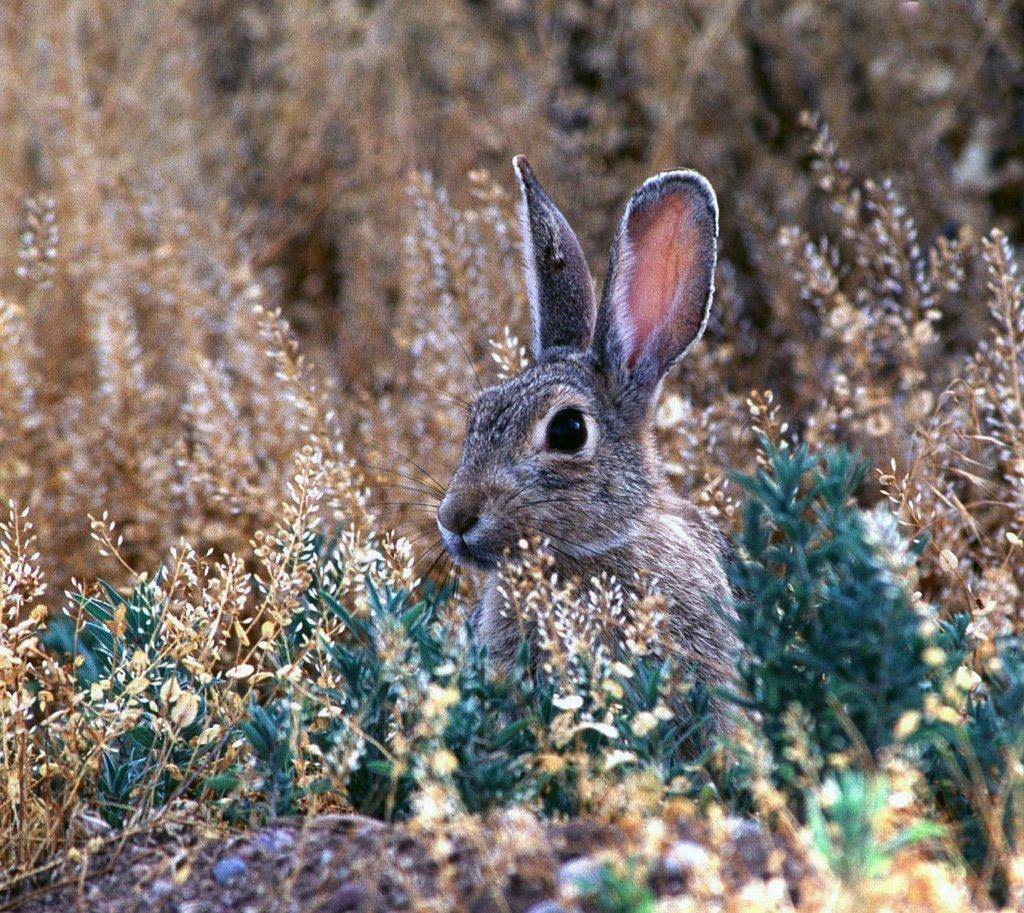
(657, 295)
(558, 282)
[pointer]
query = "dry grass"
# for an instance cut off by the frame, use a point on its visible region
(254, 256)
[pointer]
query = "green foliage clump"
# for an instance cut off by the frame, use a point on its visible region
(846, 832)
(617, 890)
(828, 630)
(974, 765)
(837, 662)
(119, 661)
(407, 676)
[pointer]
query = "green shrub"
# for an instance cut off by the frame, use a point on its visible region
(157, 751)
(846, 833)
(493, 727)
(974, 766)
(377, 696)
(832, 646)
(834, 657)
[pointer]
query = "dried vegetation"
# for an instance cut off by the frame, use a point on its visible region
(255, 257)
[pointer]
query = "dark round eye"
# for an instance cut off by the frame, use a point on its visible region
(567, 431)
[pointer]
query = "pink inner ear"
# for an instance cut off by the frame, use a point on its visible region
(664, 260)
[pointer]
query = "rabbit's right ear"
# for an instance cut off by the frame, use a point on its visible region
(558, 281)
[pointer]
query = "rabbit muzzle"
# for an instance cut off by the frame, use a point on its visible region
(470, 534)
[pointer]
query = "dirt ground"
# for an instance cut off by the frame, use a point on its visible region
(338, 863)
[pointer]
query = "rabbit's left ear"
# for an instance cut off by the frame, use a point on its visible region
(657, 294)
(558, 281)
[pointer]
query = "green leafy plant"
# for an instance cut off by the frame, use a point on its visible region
(493, 726)
(617, 890)
(828, 631)
(118, 652)
(974, 765)
(362, 688)
(846, 834)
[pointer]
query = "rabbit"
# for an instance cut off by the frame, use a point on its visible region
(565, 451)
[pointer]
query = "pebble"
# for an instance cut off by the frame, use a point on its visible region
(684, 857)
(274, 841)
(547, 906)
(228, 869)
(347, 897)
(160, 888)
(751, 844)
(581, 873)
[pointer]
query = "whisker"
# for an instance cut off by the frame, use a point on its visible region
(465, 403)
(462, 345)
(412, 488)
(433, 558)
(519, 492)
(417, 522)
(430, 570)
(568, 542)
(451, 574)
(408, 459)
(428, 551)
(428, 505)
(412, 520)
(421, 536)
(389, 471)
(540, 502)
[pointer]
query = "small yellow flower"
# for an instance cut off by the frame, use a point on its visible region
(137, 685)
(185, 709)
(443, 763)
(908, 724)
(612, 688)
(644, 723)
(170, 691)
(551, 763)
(967, 679)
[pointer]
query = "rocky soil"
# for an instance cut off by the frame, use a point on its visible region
(336, 863)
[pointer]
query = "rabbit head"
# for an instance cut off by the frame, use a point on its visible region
(564, 451)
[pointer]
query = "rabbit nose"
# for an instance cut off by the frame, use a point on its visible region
(457, 518)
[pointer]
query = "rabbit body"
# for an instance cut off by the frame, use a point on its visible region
(565, 452)
(679, 547)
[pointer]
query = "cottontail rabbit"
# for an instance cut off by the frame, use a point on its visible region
(565, 450)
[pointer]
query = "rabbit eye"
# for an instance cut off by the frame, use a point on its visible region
(567, 431)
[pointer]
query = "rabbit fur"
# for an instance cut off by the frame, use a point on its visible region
(605, 506)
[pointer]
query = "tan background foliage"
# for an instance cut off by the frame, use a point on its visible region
(241, 240)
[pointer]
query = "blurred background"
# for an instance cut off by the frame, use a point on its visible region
(231, 228)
